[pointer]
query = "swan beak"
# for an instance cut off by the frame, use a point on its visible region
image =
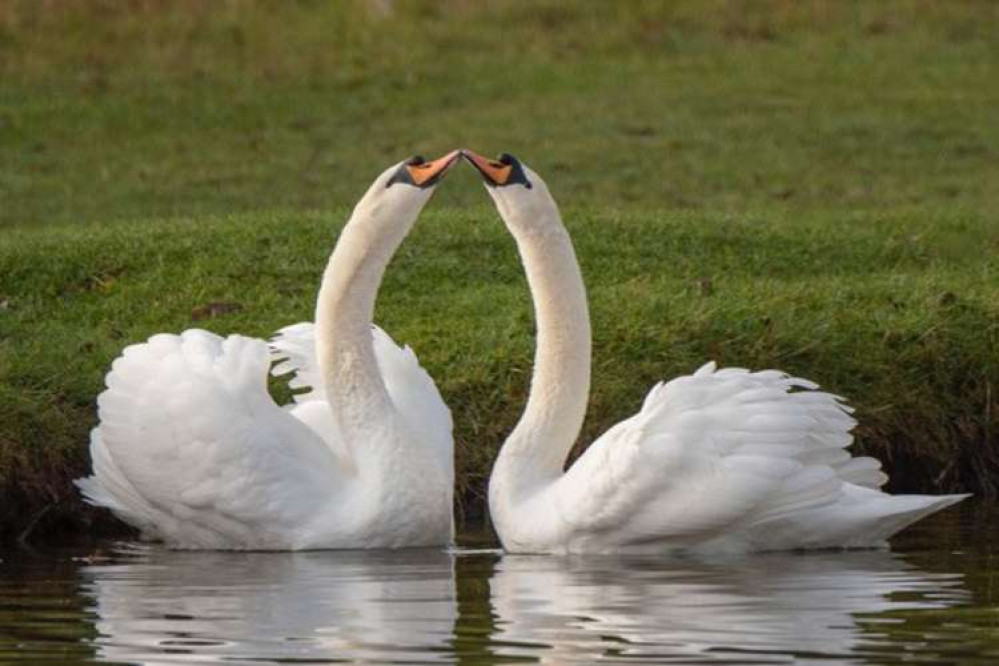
(495, 173)
(423, 174)
(507, 170)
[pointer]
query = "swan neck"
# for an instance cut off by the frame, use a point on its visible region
(560, 383)
(345, 307)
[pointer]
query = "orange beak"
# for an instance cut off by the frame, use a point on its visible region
(424, 174)
(495, 172)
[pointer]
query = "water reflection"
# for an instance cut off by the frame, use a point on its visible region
(168, 607)
(764, 609)
(155, 607)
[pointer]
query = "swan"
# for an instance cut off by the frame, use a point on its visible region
(721, 460)
(192, 450)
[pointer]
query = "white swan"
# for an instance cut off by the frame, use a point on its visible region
(719, 460)
(192, 450)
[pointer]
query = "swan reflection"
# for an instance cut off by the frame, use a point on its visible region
(168, 607)
(762, 609)
(161, 607)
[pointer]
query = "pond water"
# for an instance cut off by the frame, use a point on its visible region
(930, 600)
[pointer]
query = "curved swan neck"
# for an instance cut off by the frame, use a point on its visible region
(345, 307)
(560, 384)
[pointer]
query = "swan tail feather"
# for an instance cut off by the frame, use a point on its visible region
(861, 518)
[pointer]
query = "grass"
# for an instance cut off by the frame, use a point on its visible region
(807, 185)
(146, 109)
(898, 314)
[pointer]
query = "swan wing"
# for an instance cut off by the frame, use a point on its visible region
(713, 452)
(411, 389)
(191, 448)
(293, 350)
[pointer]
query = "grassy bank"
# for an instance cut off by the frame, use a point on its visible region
(901, 315)
(808, 185)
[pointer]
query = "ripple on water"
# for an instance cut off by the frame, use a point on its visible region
(931, 601)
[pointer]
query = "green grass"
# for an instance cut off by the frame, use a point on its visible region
(900, 314)
(806, 185)
(148, 109)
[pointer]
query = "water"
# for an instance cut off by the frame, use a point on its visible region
(930, 600)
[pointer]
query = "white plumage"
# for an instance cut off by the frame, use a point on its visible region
(721, 460)
(411, 389)
(192, 450)
(728, 459)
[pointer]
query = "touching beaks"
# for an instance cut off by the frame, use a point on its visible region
(504, 171)
(418, 172)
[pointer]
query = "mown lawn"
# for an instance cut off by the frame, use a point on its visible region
(811, 186)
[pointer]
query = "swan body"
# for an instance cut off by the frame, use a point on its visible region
(721, 460)
(192, 450)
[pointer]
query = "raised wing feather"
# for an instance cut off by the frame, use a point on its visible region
(293, 350)
(192, 448)
(713, 451)
(411, 389)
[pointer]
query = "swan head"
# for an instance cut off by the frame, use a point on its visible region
(402, 190)
(522, 198)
